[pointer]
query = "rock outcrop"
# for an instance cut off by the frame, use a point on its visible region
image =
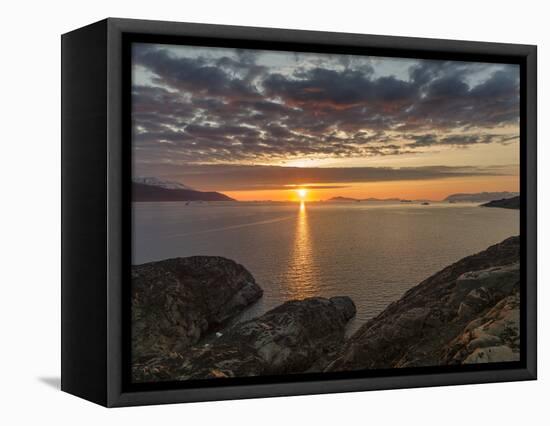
(176, 301)
(287, 339)
(493, 337)
(505, 203)
(466, 313)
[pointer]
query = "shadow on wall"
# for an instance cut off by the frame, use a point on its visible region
(54, 382)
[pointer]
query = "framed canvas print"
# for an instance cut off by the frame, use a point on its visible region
(255, 212)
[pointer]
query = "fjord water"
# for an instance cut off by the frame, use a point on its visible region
(370, 251)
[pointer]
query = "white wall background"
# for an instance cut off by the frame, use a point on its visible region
(30, 241)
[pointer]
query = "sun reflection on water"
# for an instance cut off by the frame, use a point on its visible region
(301, 274)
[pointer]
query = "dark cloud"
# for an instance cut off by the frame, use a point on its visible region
(229, 108)
(196, 75)
(501, 86)
(447, 101)
(226, 177)
(243, 186)
(463, 140)
(338, 89)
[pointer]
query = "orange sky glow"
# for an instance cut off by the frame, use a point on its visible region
(414, 190)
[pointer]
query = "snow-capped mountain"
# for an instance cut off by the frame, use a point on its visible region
(153, 181)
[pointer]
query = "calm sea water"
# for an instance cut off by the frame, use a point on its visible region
(372, 252)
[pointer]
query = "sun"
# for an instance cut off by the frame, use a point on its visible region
(302, 193)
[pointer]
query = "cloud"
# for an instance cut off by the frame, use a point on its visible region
(227, 177)
(337, 89)
(232, 107)
(461, 140)
(196, 75)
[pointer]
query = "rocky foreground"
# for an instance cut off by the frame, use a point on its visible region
(287, 339)
(175, 302)
(466, 313)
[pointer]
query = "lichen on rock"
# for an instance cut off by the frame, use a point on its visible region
(287, 339)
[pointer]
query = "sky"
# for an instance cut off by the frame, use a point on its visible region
(257, 124)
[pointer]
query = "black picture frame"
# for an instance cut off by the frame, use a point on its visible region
(96, 230)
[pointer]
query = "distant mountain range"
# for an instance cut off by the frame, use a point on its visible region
(505, 203)
(158, 190)
(348, 199)
(480, 197)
